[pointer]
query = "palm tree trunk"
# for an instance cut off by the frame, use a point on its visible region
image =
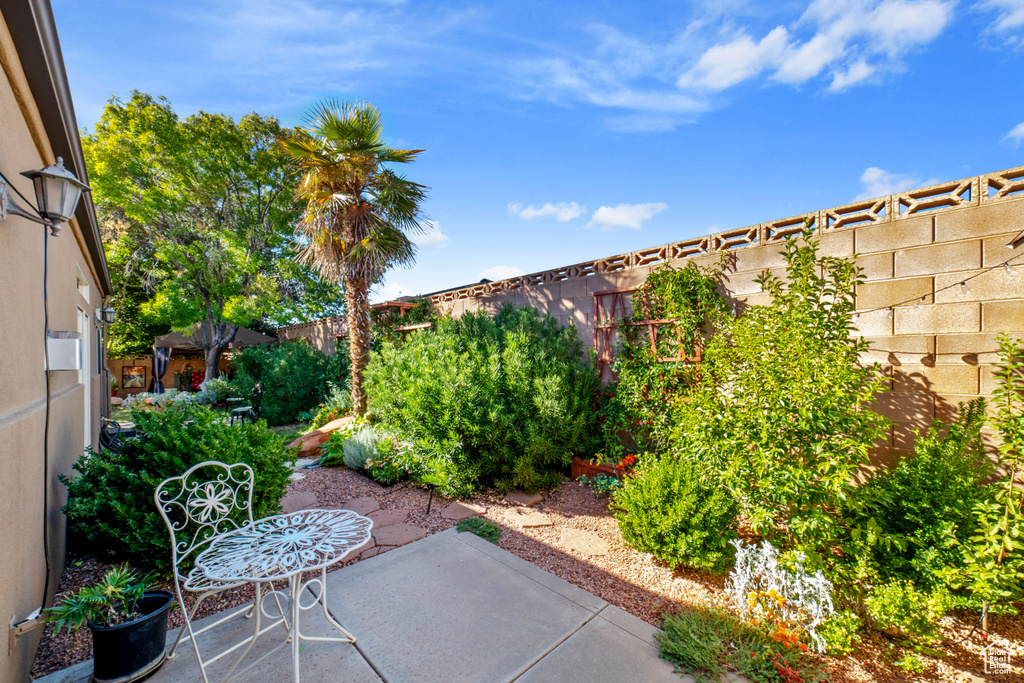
(357, 306)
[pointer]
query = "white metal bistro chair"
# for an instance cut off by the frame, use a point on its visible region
(198, 506)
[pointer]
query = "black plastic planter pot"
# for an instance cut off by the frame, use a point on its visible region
(127, 652)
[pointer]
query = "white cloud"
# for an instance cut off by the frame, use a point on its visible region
(432, 239)
(1016, 134)
(725, 65)
(856, 73)
(855, 39)
(878, 182)
(620, 72)
(852, 40)
(501, 273)
(660, 85)
(389, 292)
(625, 215)
(1010, 17)
(563, 211)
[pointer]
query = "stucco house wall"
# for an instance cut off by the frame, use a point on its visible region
(37, 124)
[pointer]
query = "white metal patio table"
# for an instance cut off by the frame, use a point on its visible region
(284, 547)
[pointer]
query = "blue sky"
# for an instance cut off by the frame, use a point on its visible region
(561, 132)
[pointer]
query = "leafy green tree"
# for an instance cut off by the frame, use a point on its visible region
(207, 200)
(134, 330)
(783, 408)
(359, 213)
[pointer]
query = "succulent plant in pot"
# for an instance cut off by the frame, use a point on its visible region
(128, 621)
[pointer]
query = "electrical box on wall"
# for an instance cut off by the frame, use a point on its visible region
(65, 350)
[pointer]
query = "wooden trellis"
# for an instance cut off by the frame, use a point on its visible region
(610, 312)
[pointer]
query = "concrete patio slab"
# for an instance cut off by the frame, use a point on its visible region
(601, 650)
(451, 607)
(326, 662)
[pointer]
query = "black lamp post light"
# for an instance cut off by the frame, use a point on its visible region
(58, 191)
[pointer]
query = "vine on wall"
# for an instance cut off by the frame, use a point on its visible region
(679, 307)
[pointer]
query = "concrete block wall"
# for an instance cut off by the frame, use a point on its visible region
(933, 337)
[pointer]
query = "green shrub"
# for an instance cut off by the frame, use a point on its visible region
(672, 510)
(484, 528)
(926, 500)
(361, 447)
(692, 297)
(220, 386)
(391, 464)
(782, 411)
(293, 375)
(901, 609)
(910, 663)
(841, 633)
(334, 448)
(110, 504)
(991, 566)
(481, 401)
(709, 642)
(337, 403)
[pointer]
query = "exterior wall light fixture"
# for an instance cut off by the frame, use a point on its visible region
(105, 315)
(57, 193)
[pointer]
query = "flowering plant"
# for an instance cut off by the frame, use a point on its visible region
(627, 461)
(790, 603)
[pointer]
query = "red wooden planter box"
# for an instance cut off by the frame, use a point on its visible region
(582, 467)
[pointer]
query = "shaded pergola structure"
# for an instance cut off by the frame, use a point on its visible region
(165, 345)
(243, 338)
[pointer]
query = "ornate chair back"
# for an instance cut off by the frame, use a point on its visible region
(209, 499)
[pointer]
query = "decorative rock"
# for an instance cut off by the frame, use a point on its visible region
(309, 443)
(298, 500)
(362, 506)
(383, 518)
(336, 424)
(115, 401)
(296, 476)
(458, 511)
(527, 518)
(586, 542)
(398, 534)
(523, 499)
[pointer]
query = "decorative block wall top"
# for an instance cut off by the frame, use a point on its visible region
(957, 194)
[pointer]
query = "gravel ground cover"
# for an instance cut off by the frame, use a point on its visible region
(624, 577)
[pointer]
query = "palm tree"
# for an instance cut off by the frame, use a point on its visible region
(359, 213)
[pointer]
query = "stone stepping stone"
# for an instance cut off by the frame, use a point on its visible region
(585, 542)
(398, 534)
(523, 499)
(296, 476)
(362, 506)
(527, 518)
(459, 511)
(298, 500)
(369, 552)
(383, 518)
